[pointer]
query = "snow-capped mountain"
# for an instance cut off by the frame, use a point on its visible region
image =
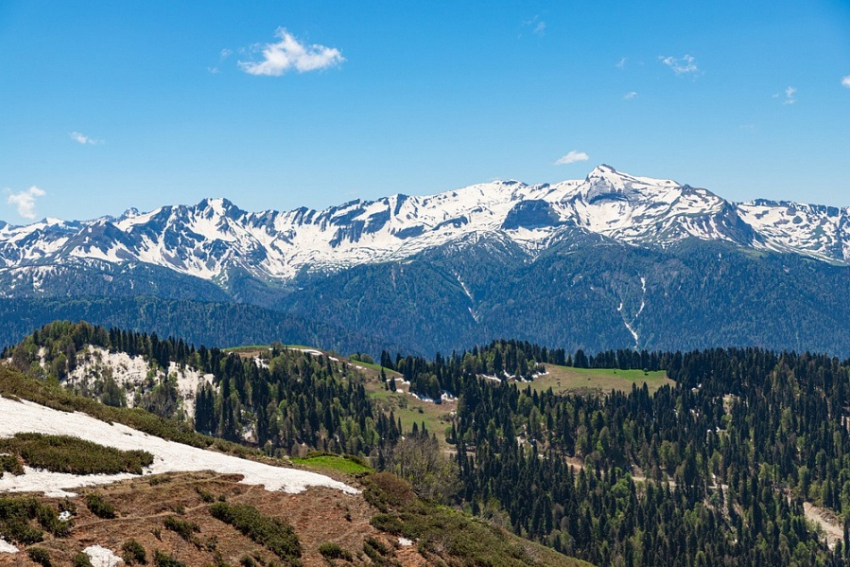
(214, 238)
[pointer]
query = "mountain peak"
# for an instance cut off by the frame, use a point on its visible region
(602, 170)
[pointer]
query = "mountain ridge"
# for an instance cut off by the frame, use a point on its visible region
(215, 238)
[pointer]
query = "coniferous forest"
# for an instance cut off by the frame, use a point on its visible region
(717, 467)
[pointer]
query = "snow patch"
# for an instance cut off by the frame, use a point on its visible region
(102, 557)
(6, 547)
(24, 416)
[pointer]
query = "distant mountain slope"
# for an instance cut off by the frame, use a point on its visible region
(692, 295)
(610, 261)
(222, 324)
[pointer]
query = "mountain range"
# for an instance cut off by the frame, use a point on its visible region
(660, 264)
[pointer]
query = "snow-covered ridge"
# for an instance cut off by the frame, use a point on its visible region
(214, 237)
(24, 416)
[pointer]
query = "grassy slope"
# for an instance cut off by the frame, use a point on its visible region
(568, 379)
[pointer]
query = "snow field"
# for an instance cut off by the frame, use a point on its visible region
(24, 416)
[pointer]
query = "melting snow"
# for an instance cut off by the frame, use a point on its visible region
(24, 416)
(131, 373)
(102, 557)
(6, 547)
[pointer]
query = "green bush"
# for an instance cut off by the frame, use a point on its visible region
(81, 560)
(183, 528)
(40, 555)
(273, 533)
(377, 545)
(205, 496)
(132, 552)
(332, 550)
(10, 464)
(64, 454)
(16, 515)
(387, 523)
(99, 507)
(160, 559)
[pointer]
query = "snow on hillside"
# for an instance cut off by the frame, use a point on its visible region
(214, 237)
(24, 416)
(131, 372)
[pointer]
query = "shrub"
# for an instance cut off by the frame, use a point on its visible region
(387, 523)
(40, 555)
(160, 559)
(48, 518)
(61, 453)
(205, 496)
(68, 505)
(378, 545)
(10, 464)
(133, 552)
(99, 507)
(273, 533)
(81, 560)
(332, 550)
(15, 516)
(183, 528)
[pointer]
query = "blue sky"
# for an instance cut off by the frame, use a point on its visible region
(110, 105)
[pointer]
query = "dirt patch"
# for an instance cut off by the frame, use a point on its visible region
(319, 515)
(827, 521)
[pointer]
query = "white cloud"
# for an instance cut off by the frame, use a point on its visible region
(572, 157)
(83, 139)
(846, 81)
(621, 64)
(684, 66)
(25, 201)
(631, 95)
(539, 29)
(225, 53)
(288, 54)
(790, 92)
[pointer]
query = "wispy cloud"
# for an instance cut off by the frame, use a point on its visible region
(687, 65)
(789, 95)
(572, 157)
(222, 55)
(290, 54)
(631, 95)
(621, 64)
(84, 140)
(537, 26)
(25, 201)
(846, 81)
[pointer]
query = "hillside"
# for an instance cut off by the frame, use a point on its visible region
(724, 456)
(178, 511)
